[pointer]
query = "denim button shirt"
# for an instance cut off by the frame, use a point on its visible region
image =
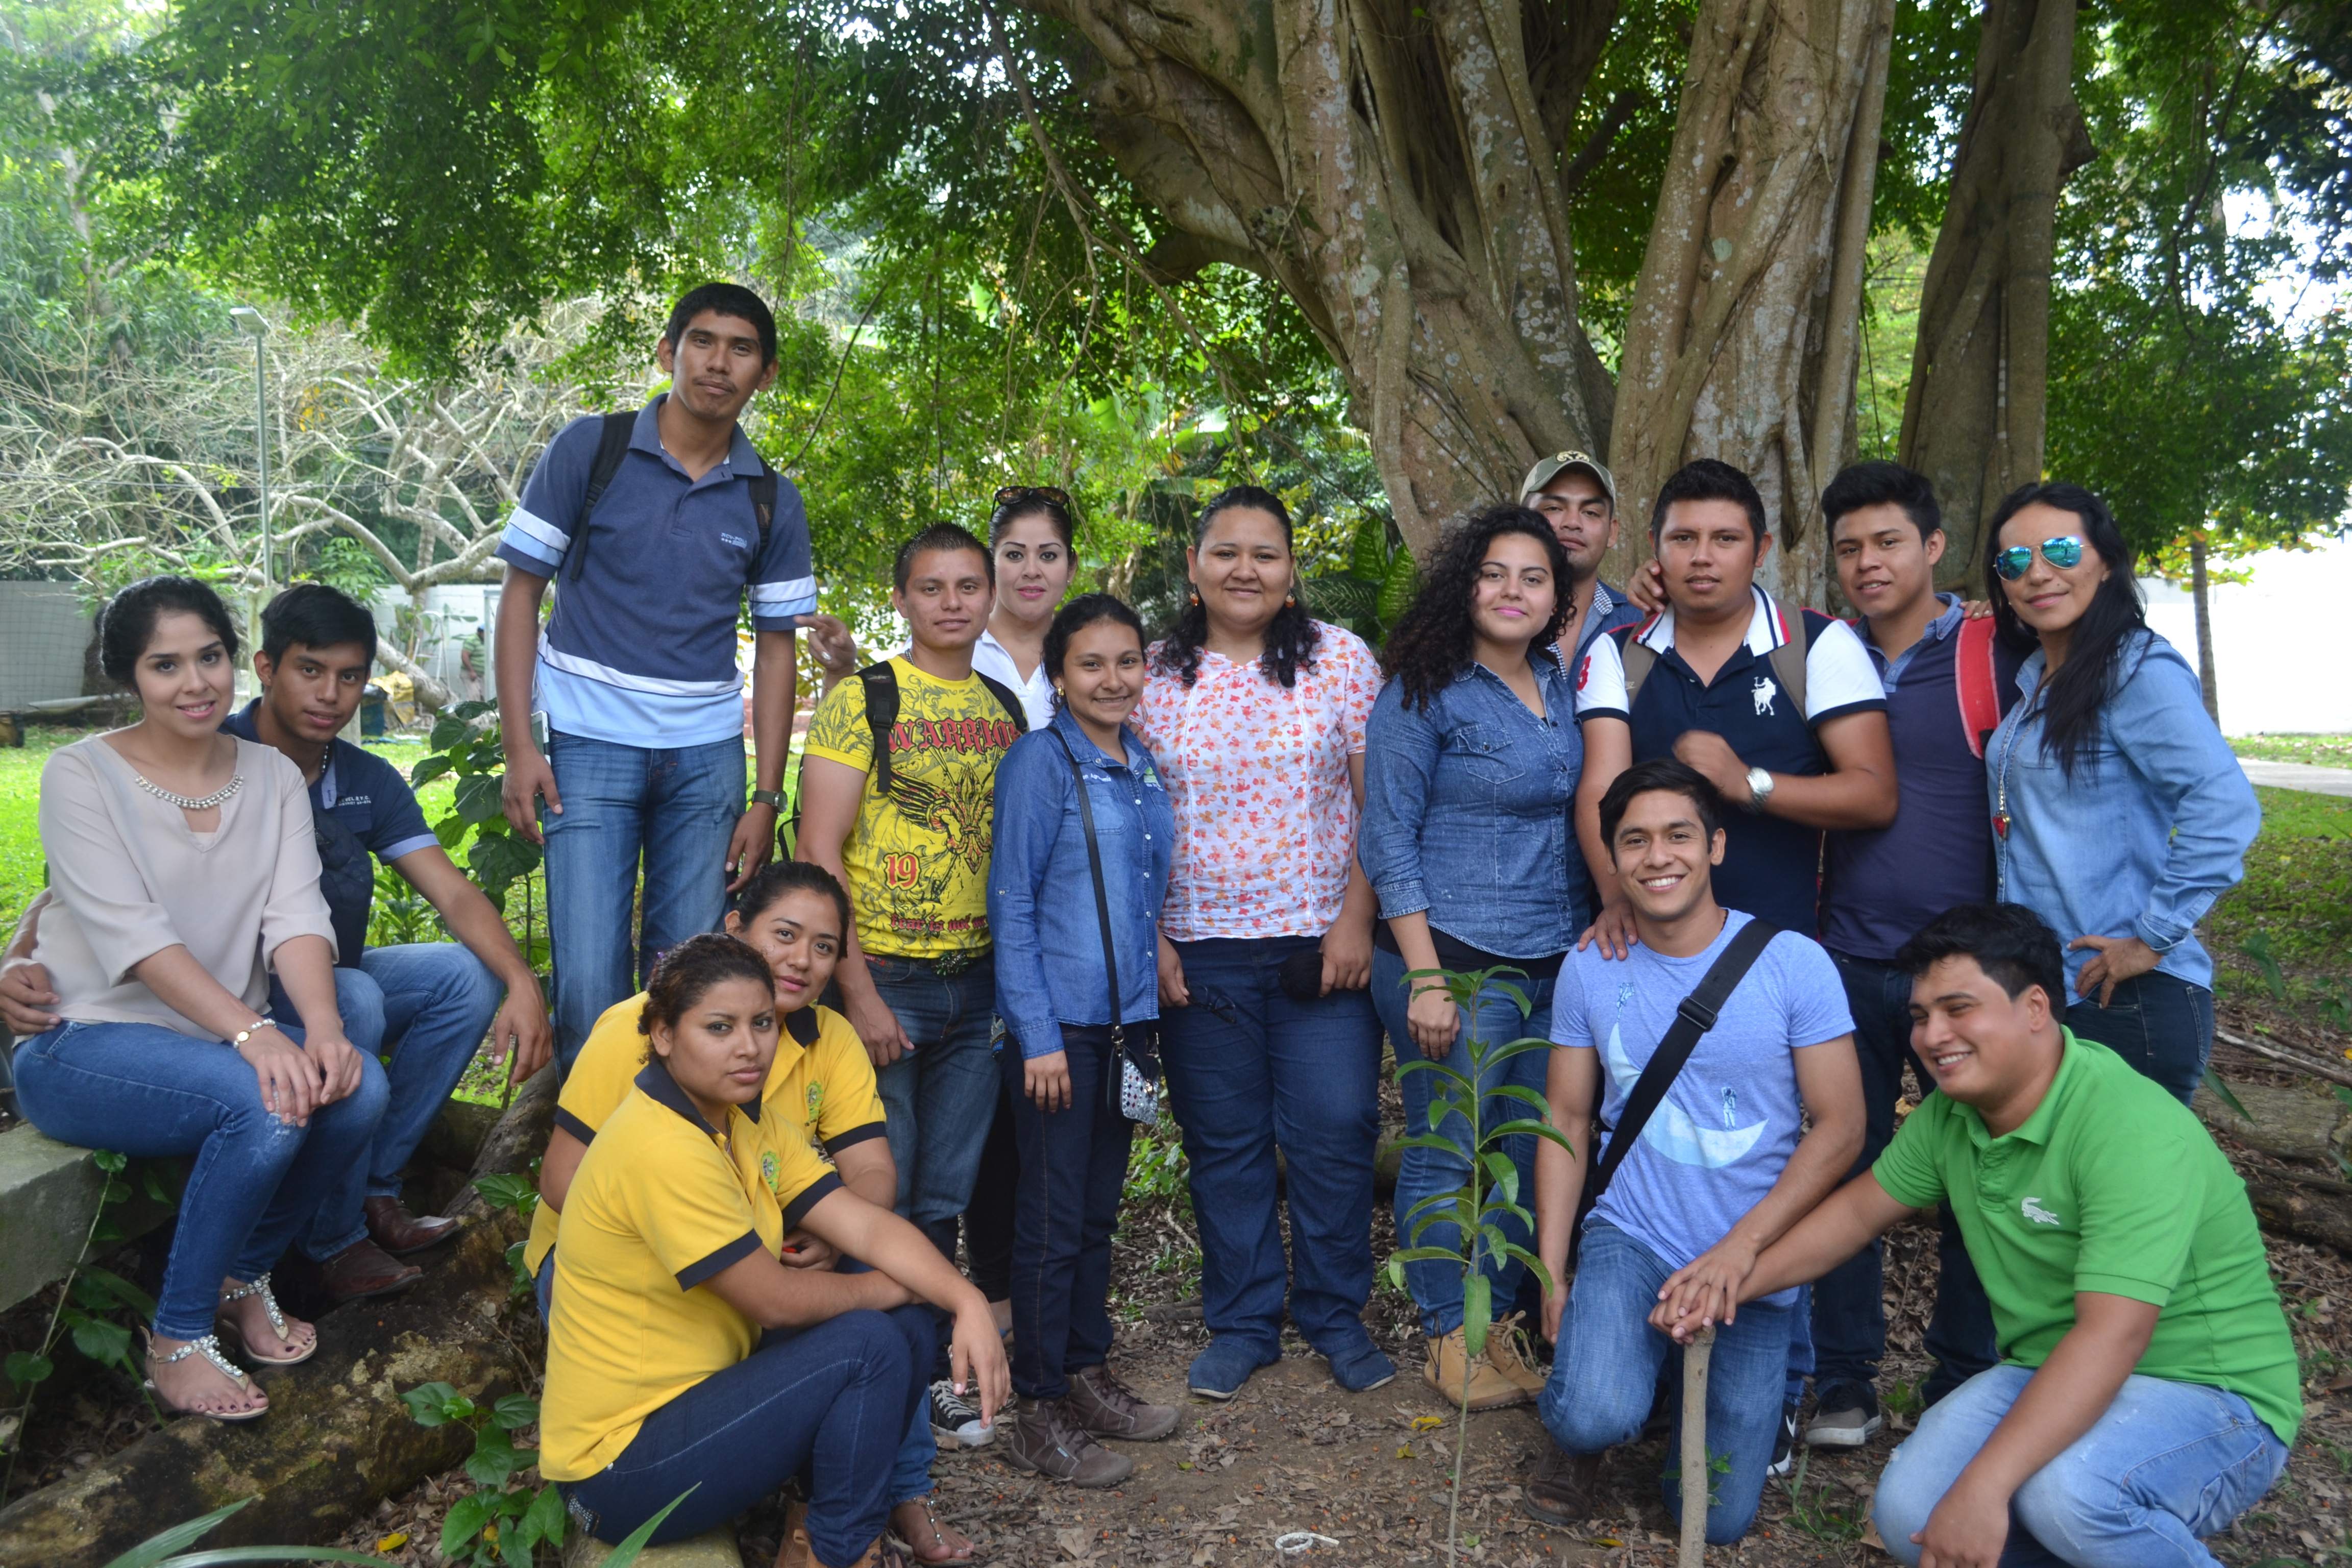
(1469, 812)
(1041, 892)
(2152, 827)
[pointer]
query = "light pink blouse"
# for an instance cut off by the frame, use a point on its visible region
(128, 878)
(1265, 818)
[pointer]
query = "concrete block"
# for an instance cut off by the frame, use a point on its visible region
(713, 1548)
(48, 1193)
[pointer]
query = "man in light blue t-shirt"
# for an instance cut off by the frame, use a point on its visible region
(1719, 1171)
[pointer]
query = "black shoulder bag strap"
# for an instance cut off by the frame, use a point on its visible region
(1122, 1049)
(1011, 704)
(611, 447)
(1693, 1019)
(881, 717)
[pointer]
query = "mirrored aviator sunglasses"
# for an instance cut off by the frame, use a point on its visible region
(1014, 495)
(2013, 562)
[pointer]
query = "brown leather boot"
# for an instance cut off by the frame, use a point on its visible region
(1561, 1491)
(1508, 1353)
(1107, 1407)
(1049, 1440)
(796, 1551)
(390, 1227)
(1449, 1363)
(364, 1270)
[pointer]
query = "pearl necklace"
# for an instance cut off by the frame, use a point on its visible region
(190, 803)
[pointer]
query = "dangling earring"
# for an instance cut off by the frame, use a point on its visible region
(1196, 595)
(1289, 600)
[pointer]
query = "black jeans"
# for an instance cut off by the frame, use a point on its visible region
(2160, 1023)
(832, 1401)
(1072, 1169)
(1849, 1302)
(988, 1222)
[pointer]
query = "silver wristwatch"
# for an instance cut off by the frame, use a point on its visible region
(1759, 788)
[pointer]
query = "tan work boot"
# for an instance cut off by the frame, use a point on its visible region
(1508, 1353)
(1445, 1369)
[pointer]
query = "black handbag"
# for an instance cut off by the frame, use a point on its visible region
(1133, 1091)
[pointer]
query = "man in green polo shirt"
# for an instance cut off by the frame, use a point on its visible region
(2147, 1390)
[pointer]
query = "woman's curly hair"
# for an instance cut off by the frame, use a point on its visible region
(1433, 644)
(687, 971)
(1291, 637)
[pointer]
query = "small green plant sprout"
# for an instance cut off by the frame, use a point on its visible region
(2337, 1008)
(518, 1195)
(162, 1549)
(497, 1523)
(2258, 948)
(1490, 1194)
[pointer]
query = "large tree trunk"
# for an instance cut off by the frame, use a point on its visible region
(1396, 168)
(1972, 421)
(1742, 338)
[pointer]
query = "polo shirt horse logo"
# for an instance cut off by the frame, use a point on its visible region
(1764, 693)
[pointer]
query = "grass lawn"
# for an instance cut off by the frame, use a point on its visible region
(2320, 751)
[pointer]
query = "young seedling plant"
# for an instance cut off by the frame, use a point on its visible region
(496, 1523)
(1489, 1194)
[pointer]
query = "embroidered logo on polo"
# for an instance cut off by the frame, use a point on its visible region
(769, 1167)
(2031, 1208)
(1764, 693)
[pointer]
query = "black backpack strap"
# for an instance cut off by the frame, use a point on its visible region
(881, 717)
(1693, 1019)
(611, 447)
(764, 506)
(1011, 704)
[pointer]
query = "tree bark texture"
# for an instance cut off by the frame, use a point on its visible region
(1397, 169)
(337, 1437)
(2199, 592)
(1973, 419)
(1744, 332)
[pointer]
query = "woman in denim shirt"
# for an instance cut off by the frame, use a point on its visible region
(1053, 989)
(2119, 814)
(1469, 841)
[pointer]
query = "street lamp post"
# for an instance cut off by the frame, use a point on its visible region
(251, 322)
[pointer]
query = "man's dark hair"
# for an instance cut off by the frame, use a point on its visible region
(1884, 484)
(315, 616)
(1665, 774)
(1706, 478)
(726, 300)
(940, 536)
(2014, 947)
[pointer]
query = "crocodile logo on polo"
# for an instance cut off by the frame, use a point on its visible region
(2032, 1209)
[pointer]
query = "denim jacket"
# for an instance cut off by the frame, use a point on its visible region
(2152, 827)
(1041, 891)
(1469, 809)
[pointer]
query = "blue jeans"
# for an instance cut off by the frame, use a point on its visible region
(669, 812)
(2160, 1023)
(832, 1400)
(1248, 1068)
(1065, 1205)
(1605, 1376)
(910, 1470)
(938, 1099)
(2167, 1464)
(1437, 1287)
(1849, 1302)
(257, 1184)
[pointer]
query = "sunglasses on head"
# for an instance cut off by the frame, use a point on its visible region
(1014, 495)
(2015, 562)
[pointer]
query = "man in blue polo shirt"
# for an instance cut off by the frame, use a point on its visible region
(635, 677)
(1714, 690)
(423, 1006)
(1947, 681)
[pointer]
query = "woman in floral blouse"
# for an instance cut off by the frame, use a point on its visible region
(1256, 711)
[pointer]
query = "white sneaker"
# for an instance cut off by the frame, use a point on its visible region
(955, 1419)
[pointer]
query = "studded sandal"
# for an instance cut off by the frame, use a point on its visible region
(210, 1349)
(228, 1325)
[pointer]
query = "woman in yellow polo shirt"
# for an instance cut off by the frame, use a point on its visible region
(659, 1379)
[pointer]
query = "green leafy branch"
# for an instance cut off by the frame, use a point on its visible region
(1377, 586)
(475, 831)
(519, 1195)
(497, 1524)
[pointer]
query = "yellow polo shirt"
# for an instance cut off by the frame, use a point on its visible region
(662, 1202)
(820, 1090)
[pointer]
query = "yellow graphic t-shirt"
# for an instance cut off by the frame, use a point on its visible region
(917, 859)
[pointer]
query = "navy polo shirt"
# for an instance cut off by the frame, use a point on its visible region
(1771, 866)
(360, 806)
(641, 650)
(1880, 887)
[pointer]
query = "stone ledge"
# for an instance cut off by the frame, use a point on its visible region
(712, 1548)
(49, 1192)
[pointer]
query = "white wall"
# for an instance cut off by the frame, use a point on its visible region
(2276, 640)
